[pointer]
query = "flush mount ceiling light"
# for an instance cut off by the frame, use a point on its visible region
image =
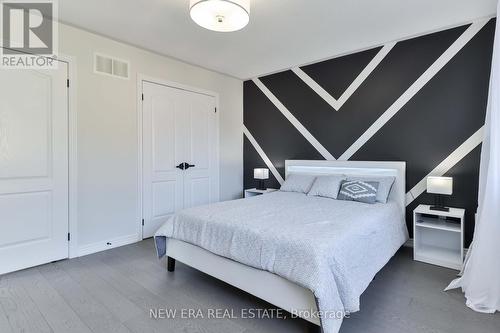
(220, 15)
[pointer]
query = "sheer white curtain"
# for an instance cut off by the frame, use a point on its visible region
(480, 278)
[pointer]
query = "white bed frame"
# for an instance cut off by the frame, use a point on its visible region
(268, 286)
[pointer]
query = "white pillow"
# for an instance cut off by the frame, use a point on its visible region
(297, 183)
(384, 185)
(327, 186)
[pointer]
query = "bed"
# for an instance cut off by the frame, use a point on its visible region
(311, 256)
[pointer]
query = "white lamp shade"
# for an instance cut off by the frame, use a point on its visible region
(440, 185)
(261, 173)
(220, 15)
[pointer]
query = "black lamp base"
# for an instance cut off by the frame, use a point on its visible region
(261, 186)
(439, 204)
(439, 208)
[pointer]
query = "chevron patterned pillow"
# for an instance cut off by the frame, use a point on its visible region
(357, 190)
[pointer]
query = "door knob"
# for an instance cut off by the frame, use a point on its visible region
(187, 166)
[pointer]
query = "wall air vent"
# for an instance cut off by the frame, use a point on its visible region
(111, 66)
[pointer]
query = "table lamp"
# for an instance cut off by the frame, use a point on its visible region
(440, 186)
(261, 174)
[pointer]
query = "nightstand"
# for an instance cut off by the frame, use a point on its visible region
(253, 192)
(439, 236)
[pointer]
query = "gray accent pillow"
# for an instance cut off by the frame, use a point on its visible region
(358, 190)
(297, 183)
(385, 184)
(327, 186)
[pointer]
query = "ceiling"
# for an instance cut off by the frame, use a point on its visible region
(281, 33)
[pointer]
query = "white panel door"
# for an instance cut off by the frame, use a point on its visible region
(163, 150)
(201, 182)
(179, 128)
(33, 167)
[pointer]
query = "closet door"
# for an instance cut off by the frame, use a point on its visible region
(201, 182)
(180, 161)
(163, 150)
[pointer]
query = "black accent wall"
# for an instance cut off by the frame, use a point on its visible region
(437, 120)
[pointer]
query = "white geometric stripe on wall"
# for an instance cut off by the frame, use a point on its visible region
(473, 29)
(448, 163)
(263, 155)
(336, 104)
(288, 115)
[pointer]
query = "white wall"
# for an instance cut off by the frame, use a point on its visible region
(107, 132)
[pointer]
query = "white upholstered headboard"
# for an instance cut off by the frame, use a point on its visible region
(356, 168)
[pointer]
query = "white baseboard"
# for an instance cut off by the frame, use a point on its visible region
(107, 244)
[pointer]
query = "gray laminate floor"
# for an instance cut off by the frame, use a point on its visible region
(113, 291)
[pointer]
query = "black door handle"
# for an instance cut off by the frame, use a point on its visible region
(185, 166)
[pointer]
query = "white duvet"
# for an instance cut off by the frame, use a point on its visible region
(333, 248)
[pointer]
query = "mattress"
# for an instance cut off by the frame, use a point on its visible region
(333, 248)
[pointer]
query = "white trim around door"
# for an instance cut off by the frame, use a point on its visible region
(72, 155)
(141, 78)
